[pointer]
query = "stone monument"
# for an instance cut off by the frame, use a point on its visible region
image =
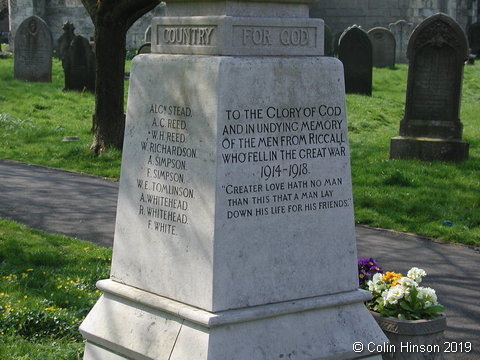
(401, 31)
(65, 39)
(235, 200)
(431, 128)
(33, 51)
(383, 47)
(79, 65)
(355, 52)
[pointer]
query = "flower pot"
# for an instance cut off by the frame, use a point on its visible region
(413, 339)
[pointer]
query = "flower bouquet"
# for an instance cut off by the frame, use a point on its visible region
(395, 295)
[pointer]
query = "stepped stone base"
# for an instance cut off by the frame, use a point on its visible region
(428, 149)
(129, 323)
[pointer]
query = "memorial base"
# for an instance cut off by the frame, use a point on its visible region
(428, 149)
(128, 323)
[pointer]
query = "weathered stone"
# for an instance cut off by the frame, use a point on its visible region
(355, 52)
(431, 128)
(64, 41)
(401, 31)
(79, 65)
(383, 47)
(33, 51)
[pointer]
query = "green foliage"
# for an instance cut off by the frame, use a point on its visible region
(47, 287)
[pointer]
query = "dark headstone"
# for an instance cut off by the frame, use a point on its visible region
(401, 30)
(431, 128)
(474, 38)
(145, 49)
(65, 39)
(79, 65)
(328, 41)
(355, 52)
(33, 51)
(383, 47)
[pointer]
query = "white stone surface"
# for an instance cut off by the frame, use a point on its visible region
(227, 35)
(238, 238)
(143, 330)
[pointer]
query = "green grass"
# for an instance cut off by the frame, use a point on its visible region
(47, 287)
(35, 118)
(438, 199)
(434, 199)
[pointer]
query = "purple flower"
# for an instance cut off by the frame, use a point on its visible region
(367, 267)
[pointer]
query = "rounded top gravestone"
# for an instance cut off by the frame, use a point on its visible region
(431, 129)
(383, 47)
(437, 51)
(33, 51)
(355, 52)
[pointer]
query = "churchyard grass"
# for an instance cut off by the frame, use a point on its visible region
(433, 199)
(36, 117)
(47, 286)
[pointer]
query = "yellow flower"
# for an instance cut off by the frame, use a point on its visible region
(392, 277)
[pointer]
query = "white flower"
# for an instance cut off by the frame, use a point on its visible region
(427, 295)
(416, 274)
(407, 282)
(376, 285)
(394, 294)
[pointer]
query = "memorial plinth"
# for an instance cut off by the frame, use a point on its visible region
(235, 233)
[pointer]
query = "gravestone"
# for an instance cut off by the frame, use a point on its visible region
(33, 51)
(383, 47)
(79, 65)
(474, 38)
(235, 196)
(355, 52)
(431, 128)
(401, 31)
(65, 39)
(145, 49)
(328, 41)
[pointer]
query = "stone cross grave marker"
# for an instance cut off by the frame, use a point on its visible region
(355, 52)
(431, 128)
(235, 196)
(65, 39)
(383, 47)
(79, 65)
(401, 30)
(33, 51)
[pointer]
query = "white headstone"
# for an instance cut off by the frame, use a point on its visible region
(235, 231)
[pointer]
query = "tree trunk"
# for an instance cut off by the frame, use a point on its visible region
(109, 118)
